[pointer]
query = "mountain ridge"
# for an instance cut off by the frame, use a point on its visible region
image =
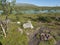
(25, 4)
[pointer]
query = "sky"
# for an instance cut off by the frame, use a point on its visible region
(41, 2)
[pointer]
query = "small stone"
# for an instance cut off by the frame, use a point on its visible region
(42, 34)
(5, 35)
(27, 33)
(18, 22)
(20, 30)
(46, 38)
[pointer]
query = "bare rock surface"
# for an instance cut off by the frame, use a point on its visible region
(28, 25)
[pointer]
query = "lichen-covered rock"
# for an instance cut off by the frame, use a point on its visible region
(28, 25)
(45, 36)
(20, 30)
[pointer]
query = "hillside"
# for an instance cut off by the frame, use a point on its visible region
(26, 6)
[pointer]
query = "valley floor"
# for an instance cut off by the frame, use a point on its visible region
(44, 22)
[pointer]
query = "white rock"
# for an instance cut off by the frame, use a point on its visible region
(28, 25)
(20, 30)
(18, 22)
(27, 33)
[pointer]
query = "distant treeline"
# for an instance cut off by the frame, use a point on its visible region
(36, 8)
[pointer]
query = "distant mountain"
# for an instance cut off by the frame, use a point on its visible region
(24, 4)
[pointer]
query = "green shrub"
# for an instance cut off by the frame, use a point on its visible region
(45, 19)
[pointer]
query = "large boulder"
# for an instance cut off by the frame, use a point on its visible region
(28, 25)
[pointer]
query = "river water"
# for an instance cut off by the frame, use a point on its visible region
(33, 11)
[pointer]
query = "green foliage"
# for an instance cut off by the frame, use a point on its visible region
(49, 42)
(52, 41)
(45, 19)
(44, 43)
(14, 37)
(7, 6)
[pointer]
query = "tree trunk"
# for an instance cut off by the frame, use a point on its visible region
(6, 22)
(3, 30)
